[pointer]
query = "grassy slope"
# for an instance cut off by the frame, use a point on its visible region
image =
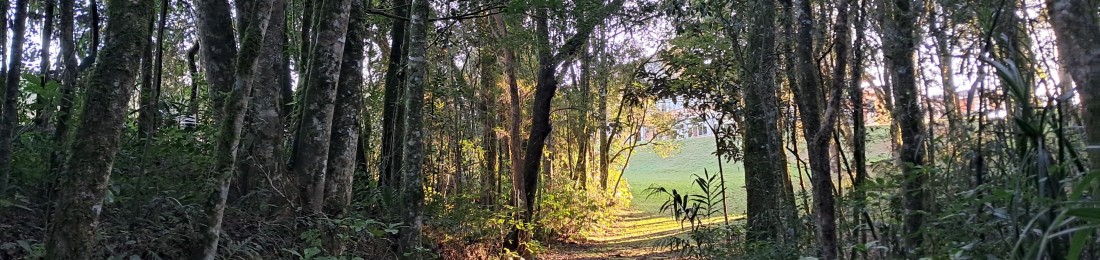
(675, 172)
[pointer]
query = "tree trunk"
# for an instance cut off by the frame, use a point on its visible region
(1075, 24)
(859, 125)
(72, 233)
(546, 86)
(9, 117)
(263, 166)
(234, 111)
(939, 27)
(218, 47)
(68, 82)
(347, 117)
(582, 131)
(515, 150)
(158, 76)
(414, 139)
(489, 119)
(392, 109)
(770, 207)
(899, 45)
(148, 116)
(817, 123)
(42, 116)
(311, 149)
(193, 73)
(146, 104)
(345, 126)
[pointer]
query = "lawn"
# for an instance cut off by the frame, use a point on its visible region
(696, 154)
(675, 172)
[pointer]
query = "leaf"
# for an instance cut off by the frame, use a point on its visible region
(312, 251)
(1077, 243)
(1090, 214)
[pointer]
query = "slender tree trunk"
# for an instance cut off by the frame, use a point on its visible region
(234, 111)
(546, 86)
(392, 109)
(306, 34)
(9, 117)
(817, 123)
(158, 76)
(515, 150)
(146, 104)
(939, 28)
(45, 112)
(149, 111)
(193, 73)
(605, 138)
(1075, 24)
(5, 6)
(73, 231)
(414, 140)
(899, 45)
(93, 45)
(68, 82)
(770, 207)
(859, 125)
(582, 129)
(309, 161)
(489, 118)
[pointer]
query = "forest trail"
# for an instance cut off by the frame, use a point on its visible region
(634, 236)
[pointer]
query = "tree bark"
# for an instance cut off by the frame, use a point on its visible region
(770, 207)
(515, 150)
(817, 123)
(1075, 24)
(263, 166)
(146, 104)
(414, 140)
(348, 114)
(234, 111)
(68, 81)
(9, 117)
(218, 47)
(81, 193)
(193, 73)
(309, 161)
(859, 125)
(392, 104)
(345, 126)
(899, 45)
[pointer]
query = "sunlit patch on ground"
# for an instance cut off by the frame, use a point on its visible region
(634, 236)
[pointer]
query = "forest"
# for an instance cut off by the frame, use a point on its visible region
(550, 129)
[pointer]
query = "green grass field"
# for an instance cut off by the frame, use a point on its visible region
(675, 172)
(696, 154)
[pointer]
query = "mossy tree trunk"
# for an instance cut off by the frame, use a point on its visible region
(309, 161)
(899, 45)
(83, 187)
(770, 203)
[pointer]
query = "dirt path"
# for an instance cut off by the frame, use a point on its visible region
(634, 236)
